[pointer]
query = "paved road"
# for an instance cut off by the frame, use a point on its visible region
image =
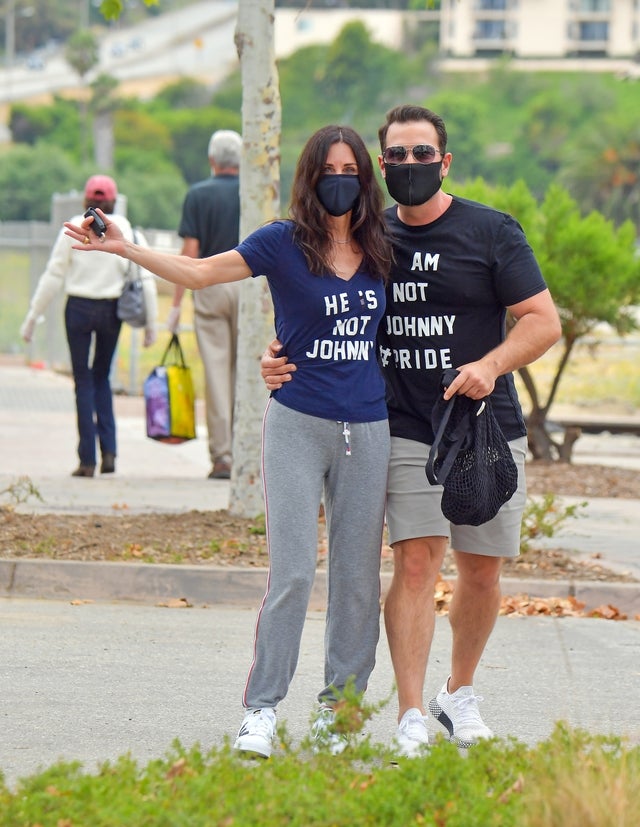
(195, 41)
(93, 681)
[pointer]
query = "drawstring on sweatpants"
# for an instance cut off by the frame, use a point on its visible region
(346, 433)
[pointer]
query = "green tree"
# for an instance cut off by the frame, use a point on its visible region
(57, 124)
(462, 111)
(136, 130)
(40, 21)
(603, 172)
(301, 75)
(153, 185)
(102, 105)
(29, 176)
(113, 9)
(355, 71)
(186, 93)
(592, 270)
(351, 80)
(190, 131)
(229, 94)
(145, 171)
(82, 54)
(154, 196)
(554, 124)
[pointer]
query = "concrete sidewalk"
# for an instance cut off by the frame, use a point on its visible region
(38, 440)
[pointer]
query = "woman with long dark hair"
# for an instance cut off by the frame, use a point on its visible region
(324, 435)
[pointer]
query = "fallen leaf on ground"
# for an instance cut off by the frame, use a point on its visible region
(176, 603)
(608, 613)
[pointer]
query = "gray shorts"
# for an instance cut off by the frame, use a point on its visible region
(413, 505)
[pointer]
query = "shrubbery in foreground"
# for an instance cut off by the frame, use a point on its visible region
(573, 779)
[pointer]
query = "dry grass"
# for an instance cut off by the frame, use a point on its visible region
(586, 787)
(599, 376)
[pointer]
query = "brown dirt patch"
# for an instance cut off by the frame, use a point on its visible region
(218, 539)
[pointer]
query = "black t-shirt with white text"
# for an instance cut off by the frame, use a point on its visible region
(446, 306)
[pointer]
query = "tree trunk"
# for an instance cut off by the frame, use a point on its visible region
(540, 443)
(260, 202)
(103, 139)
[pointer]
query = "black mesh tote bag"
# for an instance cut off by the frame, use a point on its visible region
(470, 457)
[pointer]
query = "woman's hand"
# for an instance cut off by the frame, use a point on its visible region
(26, 329)
(150, 336)
(111, 242)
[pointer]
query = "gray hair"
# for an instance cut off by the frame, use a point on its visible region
(225, 148)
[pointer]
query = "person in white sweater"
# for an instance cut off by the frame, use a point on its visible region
(92, 284)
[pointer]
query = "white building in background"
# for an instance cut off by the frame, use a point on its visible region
(598, 35)
(296, 28)
(540, 28)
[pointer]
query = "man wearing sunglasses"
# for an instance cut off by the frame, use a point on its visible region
(459, 267)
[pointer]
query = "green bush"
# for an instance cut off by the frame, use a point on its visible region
(573, 779)
(21, 166)
(543, 516)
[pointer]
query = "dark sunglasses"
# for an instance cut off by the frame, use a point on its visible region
(422, 153)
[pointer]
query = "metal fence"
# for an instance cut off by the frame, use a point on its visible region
(24, 251)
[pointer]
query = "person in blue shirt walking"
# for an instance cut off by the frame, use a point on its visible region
(326, 434)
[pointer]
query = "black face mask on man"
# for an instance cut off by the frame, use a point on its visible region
(412, 184)
(338, 193)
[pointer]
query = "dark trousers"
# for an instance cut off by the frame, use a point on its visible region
(87, 320)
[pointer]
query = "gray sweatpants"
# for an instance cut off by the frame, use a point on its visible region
(304, 456)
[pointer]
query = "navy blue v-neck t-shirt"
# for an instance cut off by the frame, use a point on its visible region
(327, 326)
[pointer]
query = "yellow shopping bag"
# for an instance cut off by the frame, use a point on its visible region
(170, 399)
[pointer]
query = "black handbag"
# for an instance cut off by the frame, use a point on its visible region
(131, 306)
(470, 457)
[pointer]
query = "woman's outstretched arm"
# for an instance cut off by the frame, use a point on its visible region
(190, 272)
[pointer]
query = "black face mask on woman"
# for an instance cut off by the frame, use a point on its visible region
(338, 193)
(412, 184)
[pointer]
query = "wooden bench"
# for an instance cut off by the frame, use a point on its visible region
(598, 424)
(576, 425)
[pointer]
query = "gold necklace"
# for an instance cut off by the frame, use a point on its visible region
(348, 241)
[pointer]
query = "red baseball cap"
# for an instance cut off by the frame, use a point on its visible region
(101, 187)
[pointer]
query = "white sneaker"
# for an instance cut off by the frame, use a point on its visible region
(459, 713)
(412, 736)
(256, 732)
(324, 733)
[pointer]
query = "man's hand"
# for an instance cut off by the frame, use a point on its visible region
(536, 329)
(475, 380)
(275, 370)
(173, 319)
